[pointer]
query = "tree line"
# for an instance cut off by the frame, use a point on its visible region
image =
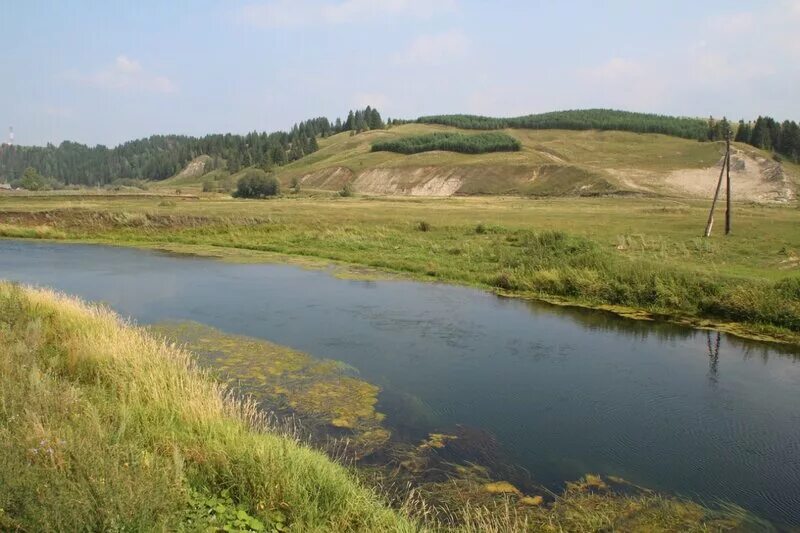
(160, 156)
(586, 119)
(768, 134)
(765, 132)
(453, 142)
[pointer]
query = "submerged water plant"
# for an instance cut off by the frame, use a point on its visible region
(321, 391)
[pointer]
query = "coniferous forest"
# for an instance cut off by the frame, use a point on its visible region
(766, 133)
(586, 119)
(160, 156)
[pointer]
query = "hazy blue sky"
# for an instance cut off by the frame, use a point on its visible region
(106, 72)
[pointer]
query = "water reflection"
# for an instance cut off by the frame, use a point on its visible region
(713, 356)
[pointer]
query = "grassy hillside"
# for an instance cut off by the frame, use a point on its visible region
(551, 162)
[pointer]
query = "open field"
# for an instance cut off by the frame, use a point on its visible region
(631, 255)
(105, 427)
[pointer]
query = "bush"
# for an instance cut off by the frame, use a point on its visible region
(347, 190)
(257, 184)
(423, 226)
(33, 181)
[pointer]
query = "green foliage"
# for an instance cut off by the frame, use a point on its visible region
(480, 143)
(586, 119)
(211, 513)
(160, 156)
(295, 184)
(257, 184)
(33, 181)
(347, 190)
(360, 120)
(768, 134)
(423, 225)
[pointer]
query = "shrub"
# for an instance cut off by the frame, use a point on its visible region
(423, 226)
(480, 229)
(257, 184)
(347, 190)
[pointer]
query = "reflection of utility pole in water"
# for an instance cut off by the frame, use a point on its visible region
(713, 356)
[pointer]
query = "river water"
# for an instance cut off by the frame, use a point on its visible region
(565, 391)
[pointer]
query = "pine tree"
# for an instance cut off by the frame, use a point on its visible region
(743, 132)
(374, 120)
(760, 137)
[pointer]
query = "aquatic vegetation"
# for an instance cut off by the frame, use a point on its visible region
(437, 440)
(318, 390)
(531, 500)
(501, 487)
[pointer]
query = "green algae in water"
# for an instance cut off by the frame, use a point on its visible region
(321, 391)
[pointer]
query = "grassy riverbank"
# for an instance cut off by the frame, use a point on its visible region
(103, 427)
(630, 255)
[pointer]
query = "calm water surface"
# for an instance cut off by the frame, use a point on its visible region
(565, 391)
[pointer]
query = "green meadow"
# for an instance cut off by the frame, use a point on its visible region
(638, 256)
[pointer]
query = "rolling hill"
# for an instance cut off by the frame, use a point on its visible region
(551, 162)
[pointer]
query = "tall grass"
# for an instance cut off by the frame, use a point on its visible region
(557, 264)
(103, 427)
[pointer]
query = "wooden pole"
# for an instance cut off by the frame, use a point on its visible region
(728, 181)
(714, 202)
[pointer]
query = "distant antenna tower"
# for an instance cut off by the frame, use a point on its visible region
(11, 135)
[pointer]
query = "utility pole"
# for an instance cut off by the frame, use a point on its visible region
(726, 166)
(728, 182)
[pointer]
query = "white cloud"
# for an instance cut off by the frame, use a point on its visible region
(434, 49)
(295, 13)
(126, 74)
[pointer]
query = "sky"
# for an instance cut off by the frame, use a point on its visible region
(103, 72)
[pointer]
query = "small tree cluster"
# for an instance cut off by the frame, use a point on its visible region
(453, 142)
(768, 134)
(361, 120)
(257, 184)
